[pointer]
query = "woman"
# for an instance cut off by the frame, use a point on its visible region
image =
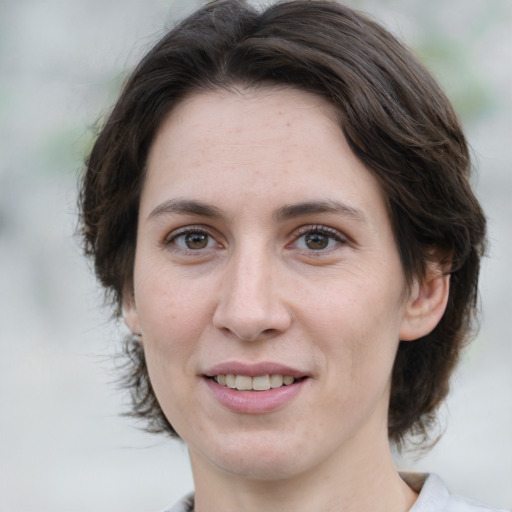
(279, 205)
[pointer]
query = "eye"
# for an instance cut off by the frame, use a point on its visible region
(318, 238)
(191, 239)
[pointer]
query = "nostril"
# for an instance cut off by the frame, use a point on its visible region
(251, 321)
(262, 335)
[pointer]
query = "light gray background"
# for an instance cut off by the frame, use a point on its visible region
(63, 446)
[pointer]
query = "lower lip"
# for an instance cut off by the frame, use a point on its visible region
(255, 402)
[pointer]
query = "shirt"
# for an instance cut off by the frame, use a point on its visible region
(433, 497)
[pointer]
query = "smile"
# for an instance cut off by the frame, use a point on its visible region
(256, 388)
(257, 383)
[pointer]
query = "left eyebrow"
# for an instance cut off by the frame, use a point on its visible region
(313, 207)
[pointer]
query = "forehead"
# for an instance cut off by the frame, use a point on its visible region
(257, 116)
(278, 144)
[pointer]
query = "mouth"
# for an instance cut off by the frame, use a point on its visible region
(255, 388)
(256, 383)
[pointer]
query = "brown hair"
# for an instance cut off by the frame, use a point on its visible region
(393, 114)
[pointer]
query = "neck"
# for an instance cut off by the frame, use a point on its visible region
(342, 484)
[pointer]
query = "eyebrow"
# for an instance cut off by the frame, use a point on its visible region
(313, 207)
(287, 212)
(188, 207)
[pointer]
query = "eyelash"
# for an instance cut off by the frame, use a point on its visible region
(330, 233)
(171, 240)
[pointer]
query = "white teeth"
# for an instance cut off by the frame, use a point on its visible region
(230, 381)
(276, 381)
(259, 383)
(243, 383)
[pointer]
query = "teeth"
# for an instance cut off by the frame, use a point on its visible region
(259, 383)
(230, 381)
(243, 383)
(276, 381)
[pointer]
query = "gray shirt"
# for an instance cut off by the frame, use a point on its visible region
(433, 497)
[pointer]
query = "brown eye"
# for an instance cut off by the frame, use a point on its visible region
(316, 241)
(192, 240)
(196, 241)
(319, 239)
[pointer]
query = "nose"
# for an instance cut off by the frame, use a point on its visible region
(251, 305)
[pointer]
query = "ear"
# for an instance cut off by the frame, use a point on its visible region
(130, 313)
(426, 304)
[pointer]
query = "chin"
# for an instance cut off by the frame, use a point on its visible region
(264, 457)
(257, 465)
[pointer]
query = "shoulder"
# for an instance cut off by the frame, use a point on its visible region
(186, 504)
(435, 497)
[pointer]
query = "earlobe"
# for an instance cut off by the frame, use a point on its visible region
(426, 305)
(130, 314)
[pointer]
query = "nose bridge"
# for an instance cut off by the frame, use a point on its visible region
(251, 278)
(249, 305)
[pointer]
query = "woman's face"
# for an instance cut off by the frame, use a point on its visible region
(265, 253)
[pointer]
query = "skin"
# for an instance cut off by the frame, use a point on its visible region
(254, 288)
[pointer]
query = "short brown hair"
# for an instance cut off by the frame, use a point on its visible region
(393, 114)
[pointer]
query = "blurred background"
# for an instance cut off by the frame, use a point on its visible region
(63, 444)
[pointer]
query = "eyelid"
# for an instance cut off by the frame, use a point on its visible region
(184, 230)
(320, 228)
(332, 233)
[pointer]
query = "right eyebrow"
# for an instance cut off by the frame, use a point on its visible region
(187, 207)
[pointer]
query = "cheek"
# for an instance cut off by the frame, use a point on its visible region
(358, 352)
(172, 318)
(168, 304)
(357, 327)
(171, 326)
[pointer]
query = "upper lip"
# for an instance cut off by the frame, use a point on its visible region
(254, 369)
